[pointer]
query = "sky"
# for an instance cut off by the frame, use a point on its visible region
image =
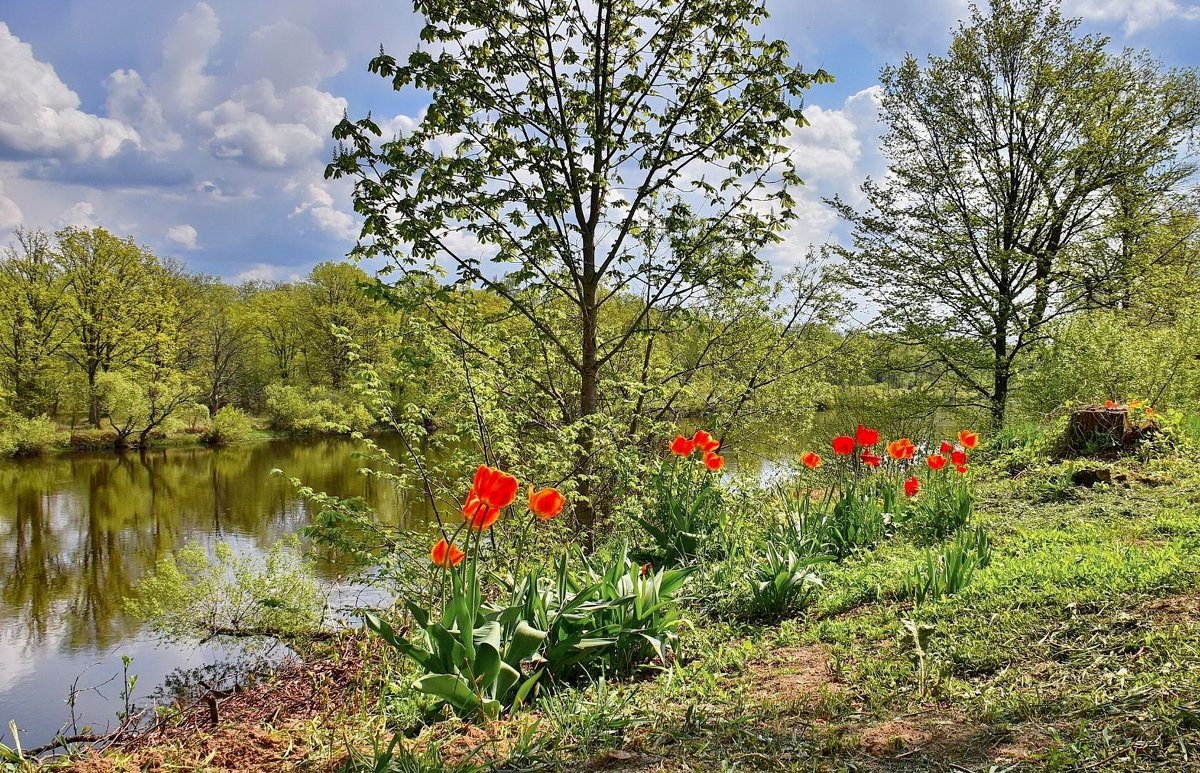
(202, 129)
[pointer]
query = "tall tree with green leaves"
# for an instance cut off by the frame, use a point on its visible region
(1007, 157)
(556, 133)
(109, 293)
(33, 324)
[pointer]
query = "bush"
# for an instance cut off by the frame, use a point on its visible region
(950, 571)
(192, 595)
(314, 409)
(229, 425)
(783, 581)
(21, 436)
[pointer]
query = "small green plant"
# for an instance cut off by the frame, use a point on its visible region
(915, 641)
(685, 510)
(945, 507)
(948, 572)
(783, 581)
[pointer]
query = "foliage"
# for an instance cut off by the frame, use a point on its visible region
(685, 510)
(1008, 159)
(782, 581)
(944, 507)
(313, 409)
(947, 572)
(228, 425)
(194, 595)
(23, 436)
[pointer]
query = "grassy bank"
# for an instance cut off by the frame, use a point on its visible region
(1077, 649)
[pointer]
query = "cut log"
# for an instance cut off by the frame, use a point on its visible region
(1105, 430)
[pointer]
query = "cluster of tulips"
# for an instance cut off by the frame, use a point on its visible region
(1132, 406)
(492, 490)
(863, 444)
(703, 442)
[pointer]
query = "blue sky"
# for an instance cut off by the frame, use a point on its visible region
(202, 128)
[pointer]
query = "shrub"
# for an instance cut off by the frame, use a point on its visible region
(229, 425)
(194, 595)
(314, 409)
(21, 436)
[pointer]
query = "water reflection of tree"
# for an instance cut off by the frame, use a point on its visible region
(77, 532)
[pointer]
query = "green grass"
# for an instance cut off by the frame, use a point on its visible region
(1077, 649)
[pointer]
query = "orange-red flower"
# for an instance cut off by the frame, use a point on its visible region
(936, 461)
(866, 437)
(706, 442)
(1134, 403)
(968, 439)
(901, 449)
(871, 460)
(682, 446)
(961, 468)
(494, 488)
(713, 462)
(477, 513)
(912, 486)
(958, 458)
(1110, 404)
(843, 445)
(946, 448)
(445, 555)
(547, 503)
(810, 460)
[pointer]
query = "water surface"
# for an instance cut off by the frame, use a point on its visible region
(78, 531)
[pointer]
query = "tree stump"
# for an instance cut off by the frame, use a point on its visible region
(1105, 430)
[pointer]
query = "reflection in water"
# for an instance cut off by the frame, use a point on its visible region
(77, 533)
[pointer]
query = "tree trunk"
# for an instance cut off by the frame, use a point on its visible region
(93, 400)
(589, 403)
(999, 397)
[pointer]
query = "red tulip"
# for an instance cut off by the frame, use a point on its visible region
(681, 446)
(714, 462)
(477, 513)
(961, 468)
(936, 462)
(547, 503)
(706, 442)
(843, 445)
(1109, 404)
(946, 448)
(958, 458)
(445, 555)
(871, 460)
(912, 486)
(866, 437)
(968, 439)
(810, 460)
(493, 487)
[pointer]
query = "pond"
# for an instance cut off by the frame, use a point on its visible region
(78, 531)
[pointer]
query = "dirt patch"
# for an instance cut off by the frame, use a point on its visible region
(250, 728)
(946, 737)
(792, 675)
(1182, 607)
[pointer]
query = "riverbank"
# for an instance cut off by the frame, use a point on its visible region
(1075, 650)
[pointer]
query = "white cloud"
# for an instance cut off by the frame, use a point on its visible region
(269, 129)
(81, 214)
(265, 272)
(319, 204)
(184, 235)
(131, 101)
(183, 80)
(1134, 15)
(288, 56)
(10, 213)
(40, 115)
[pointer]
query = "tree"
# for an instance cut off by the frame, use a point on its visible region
(223, 342)
(1006, 158)
(32, 319)
(108, 290)
(332, 296)
(556, 135)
